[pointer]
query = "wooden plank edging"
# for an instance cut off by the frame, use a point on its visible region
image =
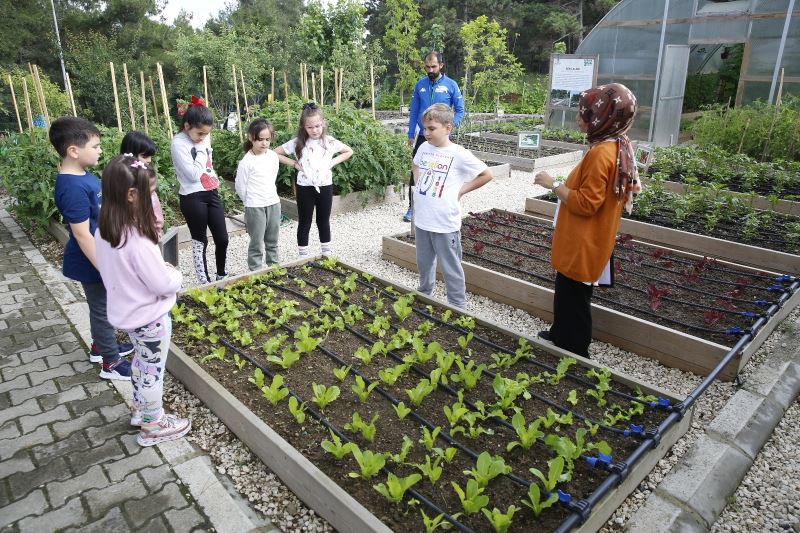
(786, 207)
(742, 254)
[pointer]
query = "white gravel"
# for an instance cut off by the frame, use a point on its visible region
(357, 240)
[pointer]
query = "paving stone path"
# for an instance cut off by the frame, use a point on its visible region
(68, 456)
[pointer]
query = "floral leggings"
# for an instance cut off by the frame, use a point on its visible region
(150, 349)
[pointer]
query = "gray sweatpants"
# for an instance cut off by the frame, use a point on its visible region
(263, 224)
(103, 333)
(446, 249)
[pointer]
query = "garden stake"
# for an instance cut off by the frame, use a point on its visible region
(153, 96)
(775, 112)
(144, 102)
(14, 99)
(42, 103)
(321, 88)
(116, 96)
(205, 83)
(128, 94)
(244, 95)
(28, 105)
(372, 86)
(71, 95)
(164, 99)
(313, 87)
(272, 86)
(744, 133)
(305, 81)
(286, 97)
(238, 113)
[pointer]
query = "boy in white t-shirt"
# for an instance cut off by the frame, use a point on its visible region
(443, 172)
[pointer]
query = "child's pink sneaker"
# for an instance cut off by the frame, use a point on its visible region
(170, 427)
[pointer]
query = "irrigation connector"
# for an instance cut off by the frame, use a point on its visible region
(601, 461)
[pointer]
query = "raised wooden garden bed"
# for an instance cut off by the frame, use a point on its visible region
(552, 153)
(291, 332)
(788, 207)
(675, 307)
(736, 252)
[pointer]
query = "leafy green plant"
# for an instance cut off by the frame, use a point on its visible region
(561, 370)
(275, 392)
(527, 435)
(420, 391)
(402, 306)
(297, 409)
(362, 390)
(471, 497)
(429, 437)
(500, 521)
(367, 430)
(391, 375)
(455, 412)
(363, 354)
(217, 353)
(287, 359)
(341, 372)
(369, 462)
(401, 410)
(535, 502)
(432, 471)
(323, 395)
(437, 522)
(468, 374)
(336, 448)
(405, 448)
(258, 378)
(395, 488)
(305, 343)
(240, 362)
(488, 467)
(555, 470)
(603, 385)
(448, 454)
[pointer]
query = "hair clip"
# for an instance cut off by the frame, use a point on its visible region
(138, 164)
(127, 154)
(309, 105)
(195, 100)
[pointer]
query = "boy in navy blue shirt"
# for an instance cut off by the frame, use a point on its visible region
(77, 196)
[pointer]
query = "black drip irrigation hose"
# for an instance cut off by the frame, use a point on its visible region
(333, 429)
(550, 403)
(620, 470)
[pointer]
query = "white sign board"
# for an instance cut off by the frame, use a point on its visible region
(569, 78)
(528, 139)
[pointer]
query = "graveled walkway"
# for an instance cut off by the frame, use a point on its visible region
(68, 456)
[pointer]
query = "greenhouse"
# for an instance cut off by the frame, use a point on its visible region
(678, 52)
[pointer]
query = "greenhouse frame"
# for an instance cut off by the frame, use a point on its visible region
(651, 45)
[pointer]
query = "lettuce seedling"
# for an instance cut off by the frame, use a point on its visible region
(367, 430)
(400, 457)
(447, 454)
(402, 306)
(472, 497)
(305, 343)
(258, 378)
(273, 343)
(336, 448)
(561, 370)
(287, 359)
(341, 372)
(324, 395)
(297, 409)
(555, 468)
(363, 354)
(469, 374)
(488, 467)
(455, 412)
(240, 362)
(432, 471)
(391, 375)
(429, 437)
(276, 391)
(527, 434)
(418, 393)
(602, 386)
(465, 322)
(369, 462)
(216, 353)
(401, 410)
(437, 522)
(535, 502)
(395, 487)
(361, 389)
(500, 521)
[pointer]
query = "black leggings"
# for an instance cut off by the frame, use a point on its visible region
(417, 144)
(203, 210)
(572, 315)
(308, 199)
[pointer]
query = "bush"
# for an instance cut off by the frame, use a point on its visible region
(764, 132)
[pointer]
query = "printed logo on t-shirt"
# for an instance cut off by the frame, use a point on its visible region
(433, 171)
(208, 178)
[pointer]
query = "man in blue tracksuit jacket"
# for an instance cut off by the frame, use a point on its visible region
(435, 88)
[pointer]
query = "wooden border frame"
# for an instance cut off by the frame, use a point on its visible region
(741, 254)
(326, 497)
(787, 207)
(670, 347)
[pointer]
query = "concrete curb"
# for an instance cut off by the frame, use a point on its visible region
(692, 496)
(226, 510)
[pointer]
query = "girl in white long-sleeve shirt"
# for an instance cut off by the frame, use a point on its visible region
(255, 185)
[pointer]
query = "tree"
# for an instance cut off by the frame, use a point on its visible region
(401, 38)
(491, 69)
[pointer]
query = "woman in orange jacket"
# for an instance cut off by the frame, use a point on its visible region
(588, 218)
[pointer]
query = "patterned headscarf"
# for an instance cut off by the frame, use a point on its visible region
(608, 110)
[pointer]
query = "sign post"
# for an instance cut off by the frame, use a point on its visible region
(570, 75)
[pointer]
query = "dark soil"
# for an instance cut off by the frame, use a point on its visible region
(702, 299)
(338, 348)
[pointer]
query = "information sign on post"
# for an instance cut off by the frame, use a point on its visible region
(528, 140)
(643, 155)
(570, 75)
